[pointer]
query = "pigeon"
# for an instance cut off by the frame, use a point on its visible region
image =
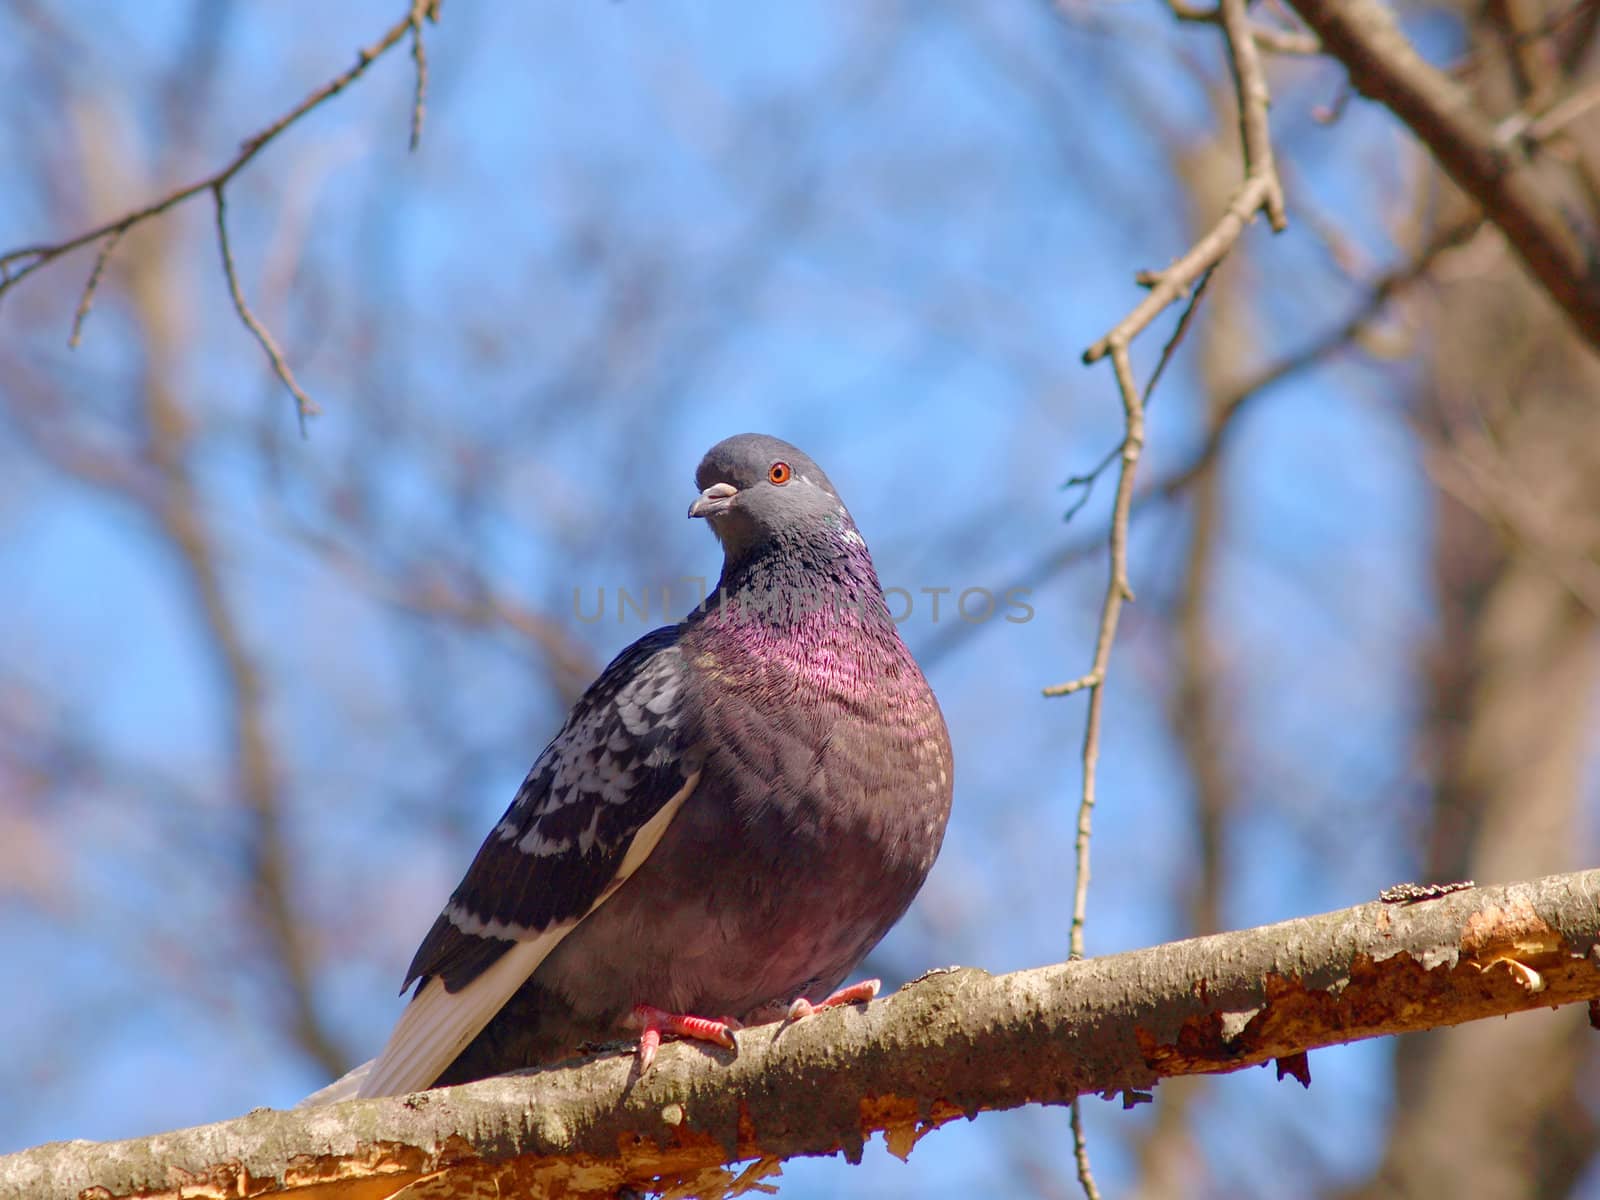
(732, 816)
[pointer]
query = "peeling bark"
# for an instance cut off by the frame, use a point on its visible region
(955, 1043)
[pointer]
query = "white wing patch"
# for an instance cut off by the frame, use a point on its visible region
(470, 923)
(438, 1025)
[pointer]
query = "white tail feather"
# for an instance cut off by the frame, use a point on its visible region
(346, 1087)
(437, 1025)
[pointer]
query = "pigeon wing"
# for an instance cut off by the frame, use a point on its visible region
(588, 814)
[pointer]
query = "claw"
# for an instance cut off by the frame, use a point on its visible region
(649, 1043)
(856, 993)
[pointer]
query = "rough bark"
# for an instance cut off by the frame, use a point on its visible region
(954, 1043)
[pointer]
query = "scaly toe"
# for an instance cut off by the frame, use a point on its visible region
(652, 1022)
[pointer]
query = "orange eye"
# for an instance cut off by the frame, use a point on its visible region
(780, 473)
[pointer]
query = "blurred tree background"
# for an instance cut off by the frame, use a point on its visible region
(261, 694)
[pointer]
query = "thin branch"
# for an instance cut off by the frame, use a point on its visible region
(1087, 481)
(1260, 191)
(1384, 66)
(1169, 285)
(305, 406)
(1251, 81)
(1516, 40)
(1174, 482)
(1118, 590)
(1173, 342)
(1080, 1153)
(1277, 41)
(17, 264)
(173, 505)
(1536, 127)
(158, 483)
(107, 248)
(951, 1045)
(420, 10)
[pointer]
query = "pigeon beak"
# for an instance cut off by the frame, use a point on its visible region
(714, 501)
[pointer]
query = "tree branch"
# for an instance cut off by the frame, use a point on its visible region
(1225, 412)
(1384, 66)
(1279, 41)
(304, 405)
(1259, 191)
(1187, 277)
(18, 263)
(420, 10)
(955, 1043)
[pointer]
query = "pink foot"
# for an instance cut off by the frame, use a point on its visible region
(653, 1022)
(856, 993)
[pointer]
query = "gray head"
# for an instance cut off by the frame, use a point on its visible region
(756, 490)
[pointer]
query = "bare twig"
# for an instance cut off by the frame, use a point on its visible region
(1278, 41)
(1519, 39)
(107, 248)
(1536, 127)
(305, 406)
(1169, 285)
(158, 483)
(1172, 484)
(1260, 190)
(17, 264)
(1080, 1153)
(1251, 81)
(1173, 342)
(1118, 590)
(420, 10)
(1087, 480)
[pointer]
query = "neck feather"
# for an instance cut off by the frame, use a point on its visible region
(817, 587)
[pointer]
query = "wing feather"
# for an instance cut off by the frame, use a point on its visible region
(590, 812)
(438, 1024)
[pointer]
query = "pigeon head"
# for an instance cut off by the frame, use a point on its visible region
(757, 491)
